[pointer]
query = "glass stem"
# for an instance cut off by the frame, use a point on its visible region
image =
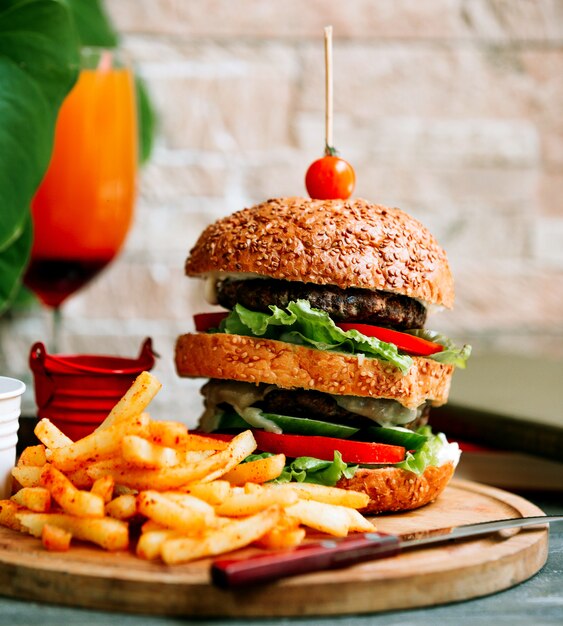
(56, 334)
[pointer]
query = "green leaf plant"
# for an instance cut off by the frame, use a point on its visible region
(40, 43)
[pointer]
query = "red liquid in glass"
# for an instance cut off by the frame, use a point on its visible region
(53, 280)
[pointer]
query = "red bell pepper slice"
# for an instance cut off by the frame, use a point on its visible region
(405, 342)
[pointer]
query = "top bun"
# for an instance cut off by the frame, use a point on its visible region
(347, 243)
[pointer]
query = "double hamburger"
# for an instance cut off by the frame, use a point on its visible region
(322, 349)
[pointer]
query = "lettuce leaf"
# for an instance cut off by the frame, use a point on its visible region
(306, 469)
(436, 450)
(301, 324)
(451, 354)
(310, 470)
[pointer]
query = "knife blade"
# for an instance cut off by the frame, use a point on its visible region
(336, 553)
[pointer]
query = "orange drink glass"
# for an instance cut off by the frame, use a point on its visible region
(83, 209)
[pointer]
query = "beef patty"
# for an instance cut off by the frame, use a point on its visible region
(343, 305)
(322, 406)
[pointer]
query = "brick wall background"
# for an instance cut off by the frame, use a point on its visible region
(449, 109)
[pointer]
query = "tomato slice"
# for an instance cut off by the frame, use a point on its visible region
(204, 321)
(323, 448)
(405, 342)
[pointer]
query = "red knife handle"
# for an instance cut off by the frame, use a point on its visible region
(310, 557)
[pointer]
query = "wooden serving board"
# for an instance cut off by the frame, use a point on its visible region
(88, 577)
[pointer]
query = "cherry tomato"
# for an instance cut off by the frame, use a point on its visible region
(330, 178)
(405, 342)
(204, 321)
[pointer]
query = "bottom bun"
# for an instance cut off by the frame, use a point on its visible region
(392, 489)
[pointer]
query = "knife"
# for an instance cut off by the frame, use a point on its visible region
(334, 553)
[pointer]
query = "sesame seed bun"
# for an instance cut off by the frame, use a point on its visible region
(347, 243)
(392, 489)
(289, 366)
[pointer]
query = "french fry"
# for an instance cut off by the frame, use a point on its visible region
(327, 518)
(244, 504)
(171, 478)
(259, 471)
(100, 444)
(331, 495)
(33, 455)
(146, 454)
(110, 534)
(123, 507)
(201, 442)
(150, 525)
(27, 475)
(72, 500)
(280, 539)
(357, 523)
(50, 436)
(36, 499)
(9, 514)
(213, 493)
(79, 478)
(232, 536)
(168, 434)
(151, 542)
(103, 487)
(55, 539)
(134, 402)
(185, 516)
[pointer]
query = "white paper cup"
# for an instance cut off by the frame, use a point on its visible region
(11, 391)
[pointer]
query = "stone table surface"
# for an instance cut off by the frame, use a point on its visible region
(538, 601)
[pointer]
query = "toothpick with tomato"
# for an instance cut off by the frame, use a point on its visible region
(330, 177)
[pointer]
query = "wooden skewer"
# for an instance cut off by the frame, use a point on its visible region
(328, 90)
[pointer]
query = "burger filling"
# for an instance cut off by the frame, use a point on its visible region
(342, 305)
(326, 437)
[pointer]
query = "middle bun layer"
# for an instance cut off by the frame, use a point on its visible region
(289, 366)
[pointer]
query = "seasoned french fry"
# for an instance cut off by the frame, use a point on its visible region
(72, 500)
(240, 505)
(232, 536)
(328, 518)
(170, 478)
(79, 478)
(103, 487)
(280, 539)
(135, 401)
(49, 435)
(100, 444)
(151, 542)
(358, 523)
(187, 515)
(331, 495)
(168, 434)
(9, 514)
(146, 454)
(36, 499)
(150, 525)
(106, 532)
(201, 442)
(55, 539)
(27, 475)
(259, 471)
(213, 493)
(123, 507)
(34, 456)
